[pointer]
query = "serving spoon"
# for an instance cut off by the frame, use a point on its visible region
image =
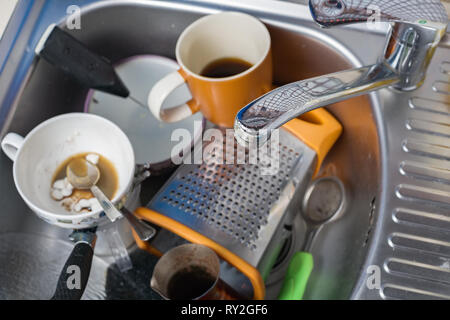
(84, 175)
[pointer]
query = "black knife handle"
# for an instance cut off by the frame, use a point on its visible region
(75, 274)
(91, 70)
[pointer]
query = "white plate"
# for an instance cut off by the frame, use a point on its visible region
(151, 139)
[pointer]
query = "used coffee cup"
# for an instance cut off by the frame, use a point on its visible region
(231, 36)
(37, 156)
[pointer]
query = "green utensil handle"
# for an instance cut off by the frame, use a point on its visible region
(297, 276)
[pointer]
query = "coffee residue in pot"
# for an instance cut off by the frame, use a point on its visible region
(75, 200)
(190, 283)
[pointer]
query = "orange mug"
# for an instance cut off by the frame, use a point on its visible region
(210, 39)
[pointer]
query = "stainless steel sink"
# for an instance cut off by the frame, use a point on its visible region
(366, 158)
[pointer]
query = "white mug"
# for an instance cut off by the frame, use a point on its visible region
(37, 156)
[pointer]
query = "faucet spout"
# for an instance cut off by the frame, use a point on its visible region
(413, 37)
(255, 122)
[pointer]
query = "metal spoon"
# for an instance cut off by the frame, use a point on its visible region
(324, 201)
(83, 174)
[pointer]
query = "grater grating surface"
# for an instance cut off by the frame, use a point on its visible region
(232, 203)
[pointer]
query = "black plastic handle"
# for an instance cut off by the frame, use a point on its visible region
(75, 274)
(91, 70)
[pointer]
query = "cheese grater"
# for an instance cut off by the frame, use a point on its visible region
(240, 206)
(244, 215)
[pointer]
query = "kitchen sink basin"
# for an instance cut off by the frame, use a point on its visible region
(32, 252)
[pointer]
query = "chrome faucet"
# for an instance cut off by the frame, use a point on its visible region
(417, 26)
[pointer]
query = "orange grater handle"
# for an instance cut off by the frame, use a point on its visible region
(318, 129)
(193, 236)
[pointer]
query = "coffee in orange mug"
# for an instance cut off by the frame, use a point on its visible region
(226, 61)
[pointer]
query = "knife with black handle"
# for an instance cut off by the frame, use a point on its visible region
(75, 274)
(68, 54)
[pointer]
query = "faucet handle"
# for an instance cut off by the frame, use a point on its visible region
(424, 12)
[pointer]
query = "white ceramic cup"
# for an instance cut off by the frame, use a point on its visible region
(37, 156)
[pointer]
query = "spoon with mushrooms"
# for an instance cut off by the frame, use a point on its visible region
(84, 175)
